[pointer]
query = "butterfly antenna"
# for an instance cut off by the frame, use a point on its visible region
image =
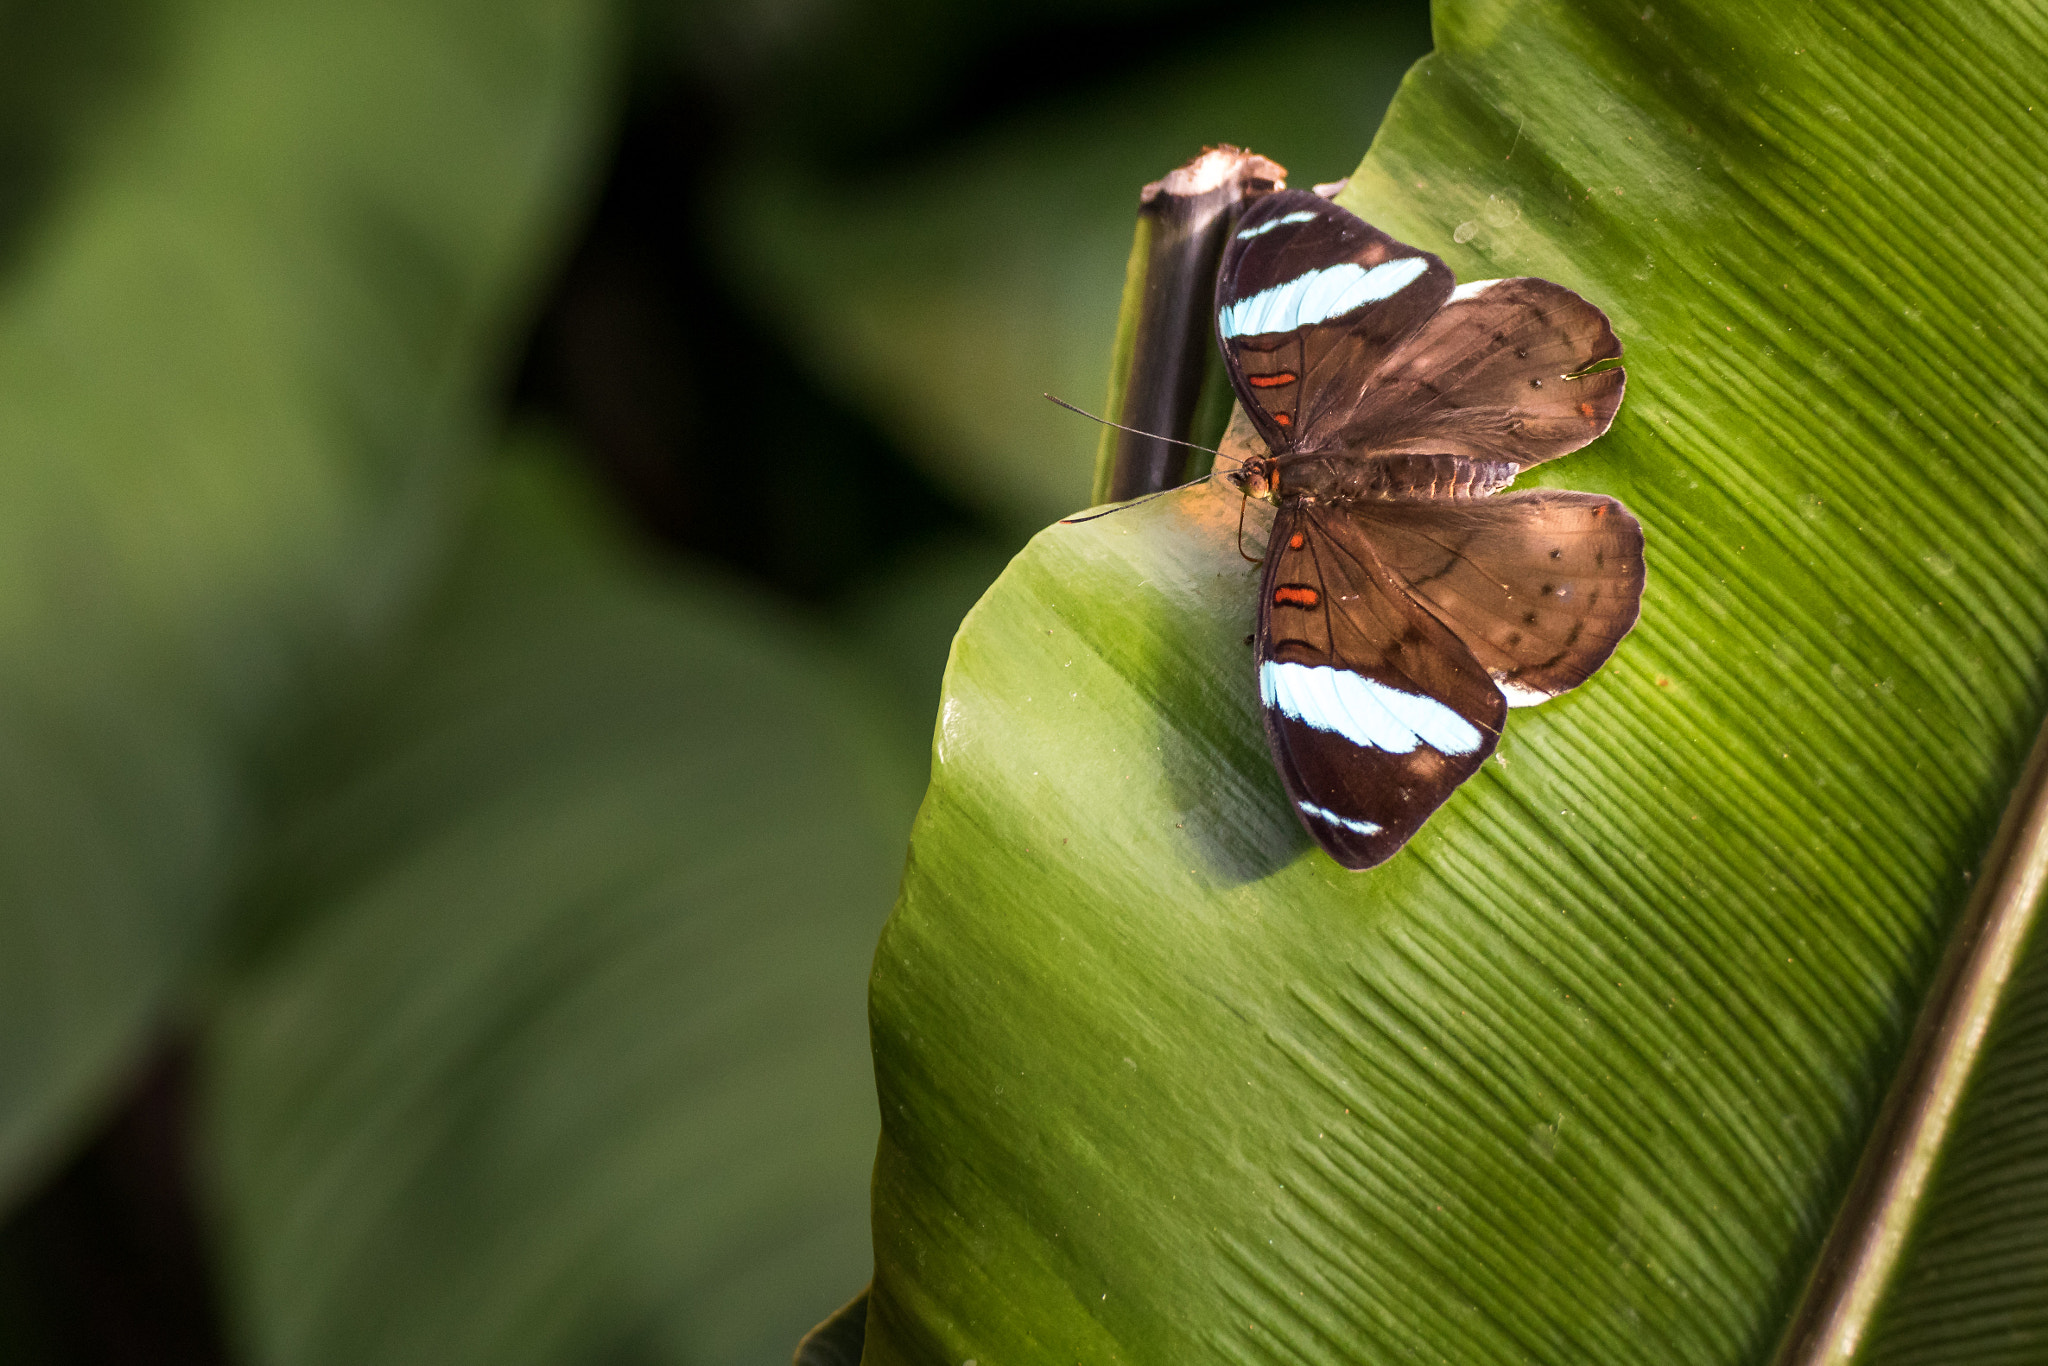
(1171, 441)
(1070, 521)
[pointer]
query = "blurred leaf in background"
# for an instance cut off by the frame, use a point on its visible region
(246, 336)
(67, 74)
(477, 906)
(946, 292)
(571, 1059)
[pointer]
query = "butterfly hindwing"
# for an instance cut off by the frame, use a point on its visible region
(1495, 375)
(1375, 712)
(1540, 586)
(1311, 300)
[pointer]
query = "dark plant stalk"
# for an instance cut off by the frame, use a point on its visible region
(1165, 355)
(1861, 1257)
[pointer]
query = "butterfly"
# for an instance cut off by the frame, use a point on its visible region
(1406, 602)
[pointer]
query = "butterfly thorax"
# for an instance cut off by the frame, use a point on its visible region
(1335, 478)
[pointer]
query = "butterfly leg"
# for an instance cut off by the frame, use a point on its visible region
(1243, 498)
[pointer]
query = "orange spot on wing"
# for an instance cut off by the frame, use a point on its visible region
(1283, 419)
(1294, 595)
(1586, 411)
(1294, 541)
(1271, 381)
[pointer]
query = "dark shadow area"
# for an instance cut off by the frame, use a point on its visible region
(105, 1265)
(696, 415)
(858, 99)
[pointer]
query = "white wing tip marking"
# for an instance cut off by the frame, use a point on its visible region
(1332, 818)
(1299, 216)
(1472, 290)
(1520, 696)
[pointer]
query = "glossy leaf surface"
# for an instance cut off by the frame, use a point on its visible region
(1581, 1075)
(245, 327)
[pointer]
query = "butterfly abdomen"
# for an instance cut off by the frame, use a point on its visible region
(1340, 479)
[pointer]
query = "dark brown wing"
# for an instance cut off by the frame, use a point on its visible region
(1310, 301)
(1488, 378)
(1540, 586)
(1374, 710)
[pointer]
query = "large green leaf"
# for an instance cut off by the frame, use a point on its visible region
(243, 338)
(1582, 1074)
(554, 1049)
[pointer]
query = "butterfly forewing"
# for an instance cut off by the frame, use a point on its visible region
(1375, 712)
(1495, 375)
(1312, 301)
(1539, 586)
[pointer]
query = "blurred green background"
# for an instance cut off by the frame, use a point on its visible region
(485, 493)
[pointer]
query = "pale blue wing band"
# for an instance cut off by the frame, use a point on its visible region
(1317, 296)
(1368, 714)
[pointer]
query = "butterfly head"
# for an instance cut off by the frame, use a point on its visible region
(1259, 477)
